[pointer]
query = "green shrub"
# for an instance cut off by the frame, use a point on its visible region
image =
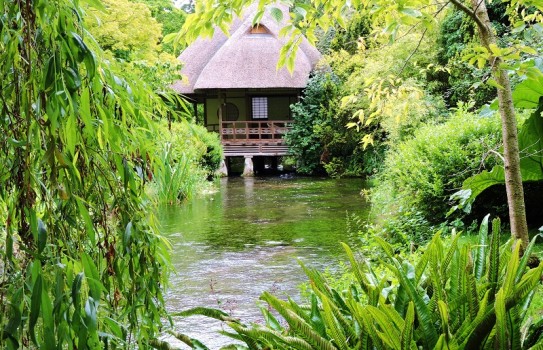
(211, 159)
(420, 174)
(453, 296)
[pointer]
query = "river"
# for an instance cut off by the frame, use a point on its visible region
(230, 246)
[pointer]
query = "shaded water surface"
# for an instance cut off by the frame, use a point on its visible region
(230, 246)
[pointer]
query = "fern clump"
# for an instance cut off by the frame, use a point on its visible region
(455, 297)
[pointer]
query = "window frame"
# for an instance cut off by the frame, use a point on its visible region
(267, 113)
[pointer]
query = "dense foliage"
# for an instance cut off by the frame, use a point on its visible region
(382, 102)
(318, 140)
(130, 33)
(420, 174)
(169, 16)
(451, 296)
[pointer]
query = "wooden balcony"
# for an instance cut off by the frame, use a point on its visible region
(259, 138)
(254, 131)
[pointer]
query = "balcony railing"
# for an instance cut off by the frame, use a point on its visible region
(254, 131)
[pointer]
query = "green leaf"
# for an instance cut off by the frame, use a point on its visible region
(528, 92)
(76, 289)
(42, 236)
(494, 83)
(531, 162)
(501, 320)
(87, 219)
(97, 4)
(90, 64)
(70, 132)
(91, 315)
(93, 277)
(127, 235)
(316, 317)
(407, 331)
(424, 315)
(271, 321)
(48, 321)
(35, 306)
(276, 14)
(480, 258)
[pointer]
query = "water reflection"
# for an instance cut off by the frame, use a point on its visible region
(231, 246)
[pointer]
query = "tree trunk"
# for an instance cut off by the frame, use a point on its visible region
(513, 178)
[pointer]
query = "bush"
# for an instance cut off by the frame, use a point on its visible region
(319, 140)
(420, 174)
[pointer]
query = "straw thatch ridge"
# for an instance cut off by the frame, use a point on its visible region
(244, 60)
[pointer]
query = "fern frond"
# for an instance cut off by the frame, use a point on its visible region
(394, 316)
(346, 325)
(274, 338)
(316, 317)
(538, 346)
(513, 324)
(480, 258)
(302, 311)
(494, 258)
(334, 329)
(297, 323)
(193, 343)
(208, 312)
(426, 322)
(528, 283)
(369, 327)
(271, 321)
(526, 257)
(316, 279)
(511, 270)
(453, 247)
(358, 272)
(387, 247)
(472, 295)
(501, 320)
(407, 331)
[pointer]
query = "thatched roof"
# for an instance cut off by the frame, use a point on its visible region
(244, 60)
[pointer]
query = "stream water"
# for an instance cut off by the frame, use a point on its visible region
(230, 246)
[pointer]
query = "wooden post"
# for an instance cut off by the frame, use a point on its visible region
(195, 107)
(222, 106)
(220, 115)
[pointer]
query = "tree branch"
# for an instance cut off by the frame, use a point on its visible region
(469, 12)
(413, 52)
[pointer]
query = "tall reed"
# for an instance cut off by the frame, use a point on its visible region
(175, 179)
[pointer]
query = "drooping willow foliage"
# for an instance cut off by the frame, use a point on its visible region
(82, 266)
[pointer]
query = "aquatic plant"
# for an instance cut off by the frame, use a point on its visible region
(175, 180)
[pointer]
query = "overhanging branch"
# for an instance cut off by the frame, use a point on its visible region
(470, 13)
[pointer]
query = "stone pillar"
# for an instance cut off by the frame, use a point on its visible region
(223, 169)
(248, 170)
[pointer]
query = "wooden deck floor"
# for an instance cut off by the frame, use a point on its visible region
(242, 149)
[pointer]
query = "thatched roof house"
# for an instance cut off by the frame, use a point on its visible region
(246, 98)
(245, 60)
